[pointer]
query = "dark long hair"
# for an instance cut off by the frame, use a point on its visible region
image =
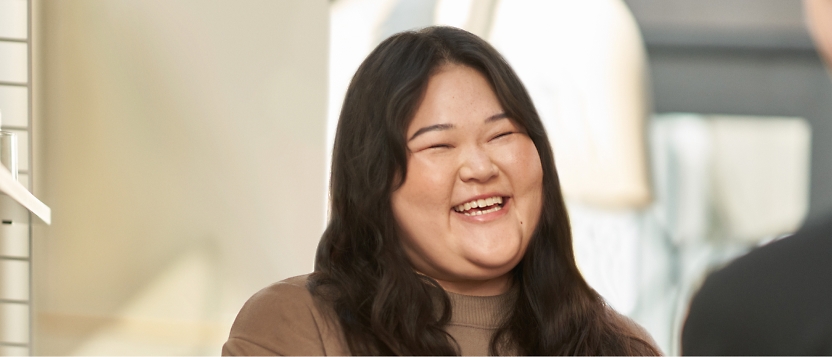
(383, 306)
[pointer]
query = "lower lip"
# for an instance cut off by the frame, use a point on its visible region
(488, 217)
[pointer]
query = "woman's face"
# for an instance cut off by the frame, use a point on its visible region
(472, 196)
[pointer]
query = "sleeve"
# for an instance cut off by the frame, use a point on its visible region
(278, 320)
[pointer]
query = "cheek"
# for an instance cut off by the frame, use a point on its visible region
(430, 179)
(522, 165)
(534, 185)
(420, 206)
(532, 166)
(424, 193)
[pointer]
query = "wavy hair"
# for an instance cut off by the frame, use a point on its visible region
(383, 306)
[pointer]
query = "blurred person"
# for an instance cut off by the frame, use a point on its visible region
(448, 232)
(776, 300)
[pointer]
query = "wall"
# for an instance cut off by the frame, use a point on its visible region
(180, 145)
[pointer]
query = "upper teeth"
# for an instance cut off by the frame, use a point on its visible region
(481, 203)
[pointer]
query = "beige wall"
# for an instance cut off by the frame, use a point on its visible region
(180, 145)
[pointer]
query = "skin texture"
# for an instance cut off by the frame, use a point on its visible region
(461, 147)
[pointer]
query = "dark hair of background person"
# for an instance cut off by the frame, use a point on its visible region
(383, 305)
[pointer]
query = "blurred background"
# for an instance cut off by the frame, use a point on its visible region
(183, 147)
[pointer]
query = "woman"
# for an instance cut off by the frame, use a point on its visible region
(448, 232)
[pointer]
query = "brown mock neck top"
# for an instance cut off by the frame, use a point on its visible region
(284, 319)
(475, 319)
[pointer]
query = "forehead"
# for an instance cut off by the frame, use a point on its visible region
(455, 94)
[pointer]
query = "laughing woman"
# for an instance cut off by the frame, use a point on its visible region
(448, 232)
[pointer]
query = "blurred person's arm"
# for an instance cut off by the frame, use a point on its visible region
(819, 19)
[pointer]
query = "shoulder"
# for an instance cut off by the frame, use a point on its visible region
(804, 252)
(798, 265)
(772, 271)
(291, 291)
(632, 328)
(763, 295)
(284, 319)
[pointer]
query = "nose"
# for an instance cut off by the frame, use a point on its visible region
(477, 166)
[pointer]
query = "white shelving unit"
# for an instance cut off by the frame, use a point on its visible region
(17, 205)
(17, 192)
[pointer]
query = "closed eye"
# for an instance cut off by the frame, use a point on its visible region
(439, 146)
(503, 135)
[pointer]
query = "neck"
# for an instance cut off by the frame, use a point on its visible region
(490, 287)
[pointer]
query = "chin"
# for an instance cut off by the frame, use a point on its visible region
(495, 266)
(499, 256)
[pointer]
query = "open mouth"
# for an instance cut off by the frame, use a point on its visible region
(481, 206)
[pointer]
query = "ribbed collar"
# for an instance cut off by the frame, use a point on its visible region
(481, 311)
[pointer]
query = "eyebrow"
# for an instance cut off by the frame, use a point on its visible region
(496, 117)
(440, 127)
(437, 127)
